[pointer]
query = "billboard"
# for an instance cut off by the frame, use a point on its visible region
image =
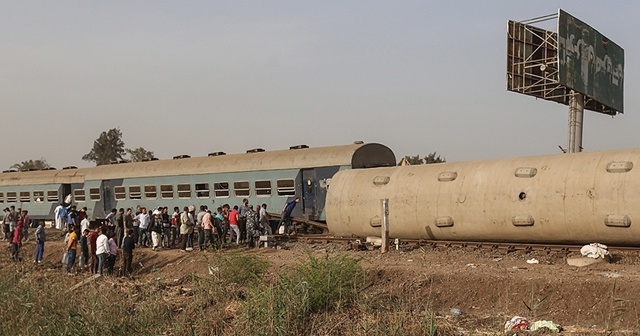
(589, 62)
(549, 65)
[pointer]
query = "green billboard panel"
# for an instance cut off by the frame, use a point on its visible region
(590, 63)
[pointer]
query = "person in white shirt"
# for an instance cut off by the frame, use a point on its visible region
(102, 250)
(264, 220)
(143, 221)
(84, 224)
(60, 213)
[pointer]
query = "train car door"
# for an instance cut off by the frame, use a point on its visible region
(107, 202)
(309, 199)
(66, 190)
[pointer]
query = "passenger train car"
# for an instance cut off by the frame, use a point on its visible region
(269, 177)
(566, 198)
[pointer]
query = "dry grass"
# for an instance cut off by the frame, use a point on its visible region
(331, 295)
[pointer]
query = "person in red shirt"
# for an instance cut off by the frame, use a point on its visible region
(16, 242)
(93, 238)
(233, 225)
(26, 222)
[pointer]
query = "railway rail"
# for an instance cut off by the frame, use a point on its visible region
(502, 246)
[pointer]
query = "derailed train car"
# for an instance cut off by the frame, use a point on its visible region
(269, 177)
(566, 198)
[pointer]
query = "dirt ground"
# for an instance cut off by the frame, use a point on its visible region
(487, 287)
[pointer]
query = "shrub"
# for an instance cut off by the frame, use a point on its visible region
(318, 285)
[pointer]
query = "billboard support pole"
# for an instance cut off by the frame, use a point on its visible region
(576, 113)
(385, 225)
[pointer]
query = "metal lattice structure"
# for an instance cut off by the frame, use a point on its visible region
(535, 67)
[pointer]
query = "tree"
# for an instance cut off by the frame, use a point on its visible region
(417, 160)
(31, 164)
(139, 154)
(432, 158)
(107, 147)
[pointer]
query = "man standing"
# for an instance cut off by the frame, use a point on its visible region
(13, 219)
(199, 218)
(233, 225)
(93, 238)
(127, 252)
(130, 224)
(84, 225)
(72, 248)
(184, 229)
(60, 213)
(16, 242)
(109, 221)
(72, 218)
(26, 222)
(143, 220)
(119, 221)
(286, 213)
(242, 218)
(5, 224)
(264, 220)
(102, 251)
(207, 228)
(40, 239)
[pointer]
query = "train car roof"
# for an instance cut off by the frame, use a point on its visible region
(357, 155)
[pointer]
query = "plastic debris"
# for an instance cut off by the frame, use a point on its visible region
(212, 270)
(455, 312)
(537, 325)
(497, 259)
(533, 261)
(595, 250)
(472, 265)
(516, 323)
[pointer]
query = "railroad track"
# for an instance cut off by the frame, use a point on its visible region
(502, 246)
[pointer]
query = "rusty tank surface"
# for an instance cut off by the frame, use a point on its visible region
(566, 198)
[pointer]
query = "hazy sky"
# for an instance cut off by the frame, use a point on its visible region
(193, 77)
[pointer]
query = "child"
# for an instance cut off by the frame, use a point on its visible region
(127, 252)
(40, 239)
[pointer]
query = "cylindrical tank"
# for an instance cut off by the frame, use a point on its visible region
(565, 198)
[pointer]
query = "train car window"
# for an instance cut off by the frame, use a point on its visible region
(79, 195)
(25, 196)
(241, 188)
(166, 191)
(286, 187)
(94, 194)
(38, 196)
(221, 189)
(1, 197)
(12, 197)
(119, 193)
(202, 190)
(135, 192)
(184, 191)
(262, 188)
(150, 192)
(52, 196)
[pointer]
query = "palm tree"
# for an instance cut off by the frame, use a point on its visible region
(31, 165)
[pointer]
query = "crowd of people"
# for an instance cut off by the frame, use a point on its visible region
(94, 246)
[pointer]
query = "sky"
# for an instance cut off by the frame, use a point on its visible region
(194, 77)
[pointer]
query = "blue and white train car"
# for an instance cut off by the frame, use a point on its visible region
(269, 177)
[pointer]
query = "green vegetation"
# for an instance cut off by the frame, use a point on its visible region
(329, 295)
(316, 286)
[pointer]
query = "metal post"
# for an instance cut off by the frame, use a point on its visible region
(576, 113)
(385, 225)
